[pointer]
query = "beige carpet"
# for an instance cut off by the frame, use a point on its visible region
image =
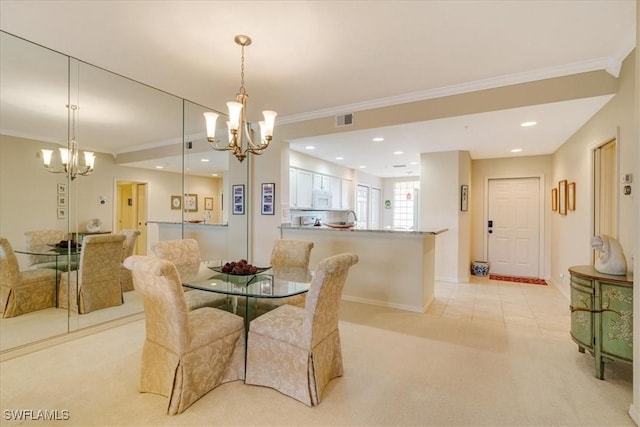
(487, 354)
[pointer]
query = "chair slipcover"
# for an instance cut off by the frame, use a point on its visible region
(186, 353)
(96, 284)
(287, 256)
(26, 291)
(37, 238)
(126, 281)
(185, 255)
(297, 350)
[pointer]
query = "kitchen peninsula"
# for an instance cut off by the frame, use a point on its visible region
(396, 268)
(212, 238)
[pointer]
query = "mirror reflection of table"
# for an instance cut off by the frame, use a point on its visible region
(57, 253)
(272, 285)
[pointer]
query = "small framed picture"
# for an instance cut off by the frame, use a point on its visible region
(562, 197)
(464, 198)
(571, 196)
(62, 199)
(176, 202)
(208, 203)
(62, 213)
(190, 202)
(268, 195)
(62, 188)
(238, 199)
(554, 199)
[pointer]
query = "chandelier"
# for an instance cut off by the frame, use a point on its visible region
(240, 132)
(69, 157)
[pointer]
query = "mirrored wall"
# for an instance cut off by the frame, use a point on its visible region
(154, 172)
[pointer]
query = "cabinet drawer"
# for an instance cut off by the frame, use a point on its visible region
(579, 281)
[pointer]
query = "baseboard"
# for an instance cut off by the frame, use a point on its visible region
(559, 288)
(635, 416)
(378, 303)
(60, 339)
(451, 279)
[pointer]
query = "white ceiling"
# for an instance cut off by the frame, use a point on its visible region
(314, 59)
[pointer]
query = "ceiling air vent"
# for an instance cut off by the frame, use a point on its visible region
(344, 120)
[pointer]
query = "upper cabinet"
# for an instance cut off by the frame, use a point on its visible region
(301, 188)
(309, 190)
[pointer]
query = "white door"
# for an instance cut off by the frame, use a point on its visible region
(513, 226)
(362, 205)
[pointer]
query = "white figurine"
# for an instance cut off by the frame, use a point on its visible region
(611, 260)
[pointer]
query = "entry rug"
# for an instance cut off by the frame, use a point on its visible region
(518, 279)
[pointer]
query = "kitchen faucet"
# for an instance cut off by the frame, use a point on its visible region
(355, 218)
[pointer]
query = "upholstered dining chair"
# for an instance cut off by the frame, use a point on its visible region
(96, 284)
(186, 353)
(297, 350)
(26, 291)
(185, 255)
(130, 237)
(35, 238)
(287, 256)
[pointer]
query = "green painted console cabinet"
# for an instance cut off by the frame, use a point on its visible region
(602, 315)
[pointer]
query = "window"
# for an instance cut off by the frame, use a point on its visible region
(405, 204)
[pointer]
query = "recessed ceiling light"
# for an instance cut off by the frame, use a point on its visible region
(309, 147)
(527, 124)
(339, 158)
(378, 139)
(214, 174)
(363, 167)
(204, 160)
(516, 150)
(413, 163)
(398, 152)
(159, 167)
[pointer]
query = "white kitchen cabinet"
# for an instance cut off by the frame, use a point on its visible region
(304, 189)
(321, 182)
(293, 200)
(335, 186)
(346, 197)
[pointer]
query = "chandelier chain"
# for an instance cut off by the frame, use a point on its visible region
(242, 89)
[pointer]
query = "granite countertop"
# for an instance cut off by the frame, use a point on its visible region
(360, 230)
(189, 223)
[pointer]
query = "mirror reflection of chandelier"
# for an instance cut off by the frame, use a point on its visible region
(69, 157)
(240, 141)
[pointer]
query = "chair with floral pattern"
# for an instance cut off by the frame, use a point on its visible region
(186, 353)
(26, 291)
(126, 281)
(96, 284)
(297, 350)
(185, 255)
(38, 238)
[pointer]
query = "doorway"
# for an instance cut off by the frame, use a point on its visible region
(605, 191)
(513, 226)
(131, 211)
(376, 208)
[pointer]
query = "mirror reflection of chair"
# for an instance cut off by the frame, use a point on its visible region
(185, 255)
(96, 284)
(186, 353)
(38, 238)
(26, 291)
(126, 281)
(297, 350)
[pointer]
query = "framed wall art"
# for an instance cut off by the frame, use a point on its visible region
(190, 202)
(62, 200)
(268, 194)
(554, 199)
(238, 199)
(62, 188)
(176, 202)
(464, 198)
(62, 213)
(208, 203)
(562, 197)
(571, 196)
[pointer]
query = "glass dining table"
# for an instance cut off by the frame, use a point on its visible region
(57, 255)
(253, 294)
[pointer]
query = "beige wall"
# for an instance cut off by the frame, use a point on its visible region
(571, 234)
(510, 167)
(28, 198)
